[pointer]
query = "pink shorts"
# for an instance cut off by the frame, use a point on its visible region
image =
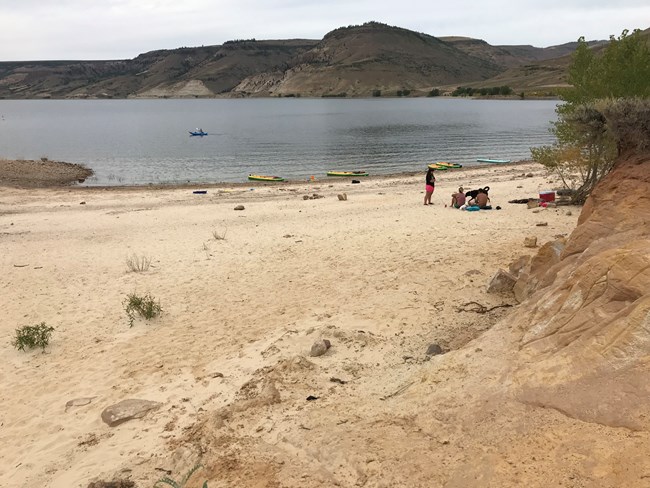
(430, 188)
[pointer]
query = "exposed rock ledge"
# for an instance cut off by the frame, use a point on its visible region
(586, 326)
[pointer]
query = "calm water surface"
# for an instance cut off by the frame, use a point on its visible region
(147, 141)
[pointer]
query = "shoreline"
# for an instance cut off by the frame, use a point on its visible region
(57, 174)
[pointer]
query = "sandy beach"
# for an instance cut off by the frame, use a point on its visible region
(245, 294)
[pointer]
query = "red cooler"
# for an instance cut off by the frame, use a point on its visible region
(547, 196)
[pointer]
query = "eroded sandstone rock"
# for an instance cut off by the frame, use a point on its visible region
(127, 410)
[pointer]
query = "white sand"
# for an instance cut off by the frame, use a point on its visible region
(288, 272)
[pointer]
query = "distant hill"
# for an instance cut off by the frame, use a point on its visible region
(360, 60)
(185, 72)
(509, 56)
(545, 74)
(370, 59)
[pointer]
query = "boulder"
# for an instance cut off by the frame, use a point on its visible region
(501, 282)
(127, 410)
(518, 265)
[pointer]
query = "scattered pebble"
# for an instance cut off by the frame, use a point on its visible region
(530, 241)
(338, 380)
(319, 347)
(239, 207)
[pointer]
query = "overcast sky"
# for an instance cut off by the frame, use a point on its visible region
(122, 29)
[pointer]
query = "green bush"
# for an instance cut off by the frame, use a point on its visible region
(603, 111)
(145, 306)
(32, 336)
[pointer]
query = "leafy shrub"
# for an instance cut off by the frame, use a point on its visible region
(137, 263)
(604, 112)
(376, 93)
(434, 93)
(145, 306)
(32, 336)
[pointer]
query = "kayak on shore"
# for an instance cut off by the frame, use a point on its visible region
(497, 161)
(347, 173)
(265, 178)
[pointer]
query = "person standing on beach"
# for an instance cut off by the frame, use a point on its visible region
(430, 187)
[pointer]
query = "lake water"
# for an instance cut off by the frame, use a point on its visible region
(147, 141)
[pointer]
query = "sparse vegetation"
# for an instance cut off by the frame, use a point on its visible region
(376, 93)
(180, 484)
(138, 264)
(239, 41)
(219, 236)
(465, 91)
(604, 113)
(145, 306)
(434, 93)
(403, 93)
(33, 336)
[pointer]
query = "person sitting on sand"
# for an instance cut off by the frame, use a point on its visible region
(482, 200)
(458, 199)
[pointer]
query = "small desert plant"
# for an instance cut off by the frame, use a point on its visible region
(145, 306)
(137, 263)
(32, 336)
(181, 484)
(219, 236)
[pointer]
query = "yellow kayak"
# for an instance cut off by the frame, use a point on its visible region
(449, 165)
(265, 178)
(438, 167)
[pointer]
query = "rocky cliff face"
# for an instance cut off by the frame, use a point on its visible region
(558, 394)
(590, 311)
